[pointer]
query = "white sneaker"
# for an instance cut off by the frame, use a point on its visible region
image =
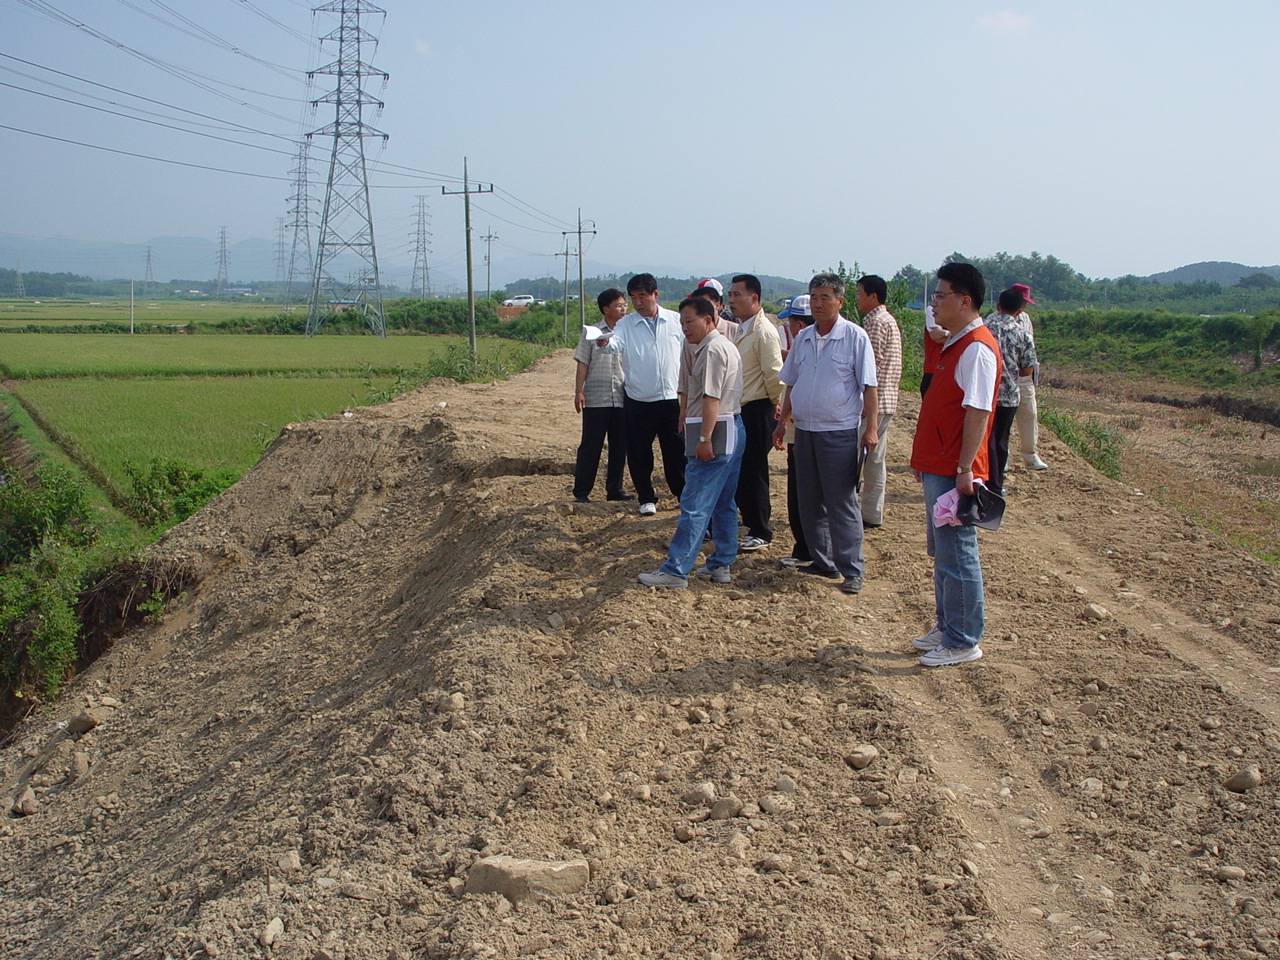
(949, 657)
(648, 509)
(1035, 463)
(929, 641)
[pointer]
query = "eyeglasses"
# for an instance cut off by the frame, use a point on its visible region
(938, 294)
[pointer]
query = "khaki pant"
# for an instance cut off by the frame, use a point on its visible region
(873, 472)
(1028, 429)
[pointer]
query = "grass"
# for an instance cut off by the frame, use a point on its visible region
(22, 312)
(35, 356)
(211, 423)
(1099, 443)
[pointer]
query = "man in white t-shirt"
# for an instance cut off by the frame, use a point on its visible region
(949, 452)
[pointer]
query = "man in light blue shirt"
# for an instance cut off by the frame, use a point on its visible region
(830, 385)
(650, 340)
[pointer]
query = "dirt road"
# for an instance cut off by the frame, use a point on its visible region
(408, 651)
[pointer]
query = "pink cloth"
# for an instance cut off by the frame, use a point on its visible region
(944, 509)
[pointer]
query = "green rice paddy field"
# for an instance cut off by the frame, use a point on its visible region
(213, 402)
(26, 356)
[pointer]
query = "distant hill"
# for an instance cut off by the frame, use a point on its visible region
(1216, 271)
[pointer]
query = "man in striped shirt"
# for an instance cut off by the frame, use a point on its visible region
(886, 344)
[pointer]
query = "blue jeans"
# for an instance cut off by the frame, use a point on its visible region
(707, 498)
(957, 573)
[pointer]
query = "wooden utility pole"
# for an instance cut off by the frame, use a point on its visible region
(566, 254)
(466, 192)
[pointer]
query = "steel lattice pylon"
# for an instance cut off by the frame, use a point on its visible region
(346, 225)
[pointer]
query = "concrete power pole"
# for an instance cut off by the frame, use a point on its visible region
(582, 293)
(466, 192)
(346, 224)
(488, 239)
(566, 254)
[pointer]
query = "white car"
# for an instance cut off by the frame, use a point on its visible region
(522, 300)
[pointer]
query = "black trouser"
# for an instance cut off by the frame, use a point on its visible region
(645, 421)
(597, 424)
(801, 550)
(753, 481)
(998, 446)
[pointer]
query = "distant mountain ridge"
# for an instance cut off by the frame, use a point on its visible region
(1224, 272)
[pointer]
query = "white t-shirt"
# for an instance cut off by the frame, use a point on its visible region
(975, 370)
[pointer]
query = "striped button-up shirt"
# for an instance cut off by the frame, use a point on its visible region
(886, 344)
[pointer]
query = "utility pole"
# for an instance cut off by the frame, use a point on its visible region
(582, 297)
(224, 280)
(488, 239)
(566, 254)
(421, 248)
(346, 225)
(466, 192)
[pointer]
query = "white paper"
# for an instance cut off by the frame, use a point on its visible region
(592, 334)
(730, 434)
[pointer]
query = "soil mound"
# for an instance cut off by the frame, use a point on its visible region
(406, 652)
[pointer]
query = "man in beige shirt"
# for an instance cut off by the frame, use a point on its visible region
(757, 341)
(711, 402)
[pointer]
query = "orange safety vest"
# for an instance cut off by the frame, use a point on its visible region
(936, 447)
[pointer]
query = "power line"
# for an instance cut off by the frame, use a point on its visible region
(193, 77)
(206, 36)
(140, 156)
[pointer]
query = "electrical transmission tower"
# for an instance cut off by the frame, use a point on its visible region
(299, 217)
(19, 288)
(223, 280)
(150, 281)
(421, 248)
(346, 225)
(280, 255)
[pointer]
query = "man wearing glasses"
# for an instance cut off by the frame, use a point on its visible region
(950, 452)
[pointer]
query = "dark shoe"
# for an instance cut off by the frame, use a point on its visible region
(578, 499)
(851, 585)
(870, 526)
(621, 496)
(818, 571)
(751, 544)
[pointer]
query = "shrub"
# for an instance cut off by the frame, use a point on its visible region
(169, 491)
(1099, 443)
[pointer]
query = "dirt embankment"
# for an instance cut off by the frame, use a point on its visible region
(407, 652)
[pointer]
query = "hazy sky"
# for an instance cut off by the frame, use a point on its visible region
(1124, 136)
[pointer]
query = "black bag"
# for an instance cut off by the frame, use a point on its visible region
(984, 509)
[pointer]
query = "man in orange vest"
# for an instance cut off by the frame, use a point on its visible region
(950, 452)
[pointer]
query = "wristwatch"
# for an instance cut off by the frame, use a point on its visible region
(962, 470)
(702, 439)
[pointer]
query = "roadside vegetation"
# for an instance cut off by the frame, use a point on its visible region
(124, 436)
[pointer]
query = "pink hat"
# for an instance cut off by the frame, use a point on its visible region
(1024, 291)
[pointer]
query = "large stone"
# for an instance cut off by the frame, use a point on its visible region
(86, 720)
(26, 803)
(523, 880)
(1245, 780)
(862, 756)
